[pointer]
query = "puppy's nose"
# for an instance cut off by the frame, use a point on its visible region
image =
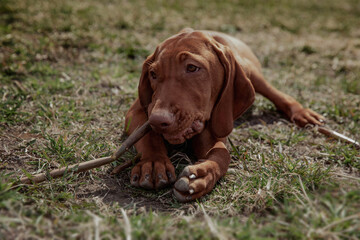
(160, 120)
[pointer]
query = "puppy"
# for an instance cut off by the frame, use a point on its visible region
(192, 88)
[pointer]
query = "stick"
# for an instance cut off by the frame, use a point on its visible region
(81, 167)
(334, 134)
(125, 165)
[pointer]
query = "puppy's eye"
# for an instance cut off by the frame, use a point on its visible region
(153, 74)
(192, 68)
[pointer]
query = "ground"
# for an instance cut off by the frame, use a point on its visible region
(69, 71)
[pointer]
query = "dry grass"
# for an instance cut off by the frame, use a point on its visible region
(69, 71)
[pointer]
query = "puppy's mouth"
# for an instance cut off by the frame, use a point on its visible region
(177, 138)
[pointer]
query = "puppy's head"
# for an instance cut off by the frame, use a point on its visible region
(192, 80)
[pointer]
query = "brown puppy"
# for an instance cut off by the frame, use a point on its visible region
(193, 87)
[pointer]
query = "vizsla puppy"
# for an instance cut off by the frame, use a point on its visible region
(192, 88)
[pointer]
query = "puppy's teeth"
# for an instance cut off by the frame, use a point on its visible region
(192, 176)
(191, 191)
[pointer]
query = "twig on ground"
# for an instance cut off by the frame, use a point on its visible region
(125, 165)
(336, 135)
(81, 167)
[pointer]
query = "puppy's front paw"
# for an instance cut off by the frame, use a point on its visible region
(196, 180)
(153, 173)
(306, 116)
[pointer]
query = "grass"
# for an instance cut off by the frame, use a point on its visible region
(69, 71)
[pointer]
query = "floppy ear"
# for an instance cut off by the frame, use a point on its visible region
(145, 91)
(235, 97)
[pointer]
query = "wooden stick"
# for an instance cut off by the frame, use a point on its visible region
(81, 167)
(125, 165)
(334, 134)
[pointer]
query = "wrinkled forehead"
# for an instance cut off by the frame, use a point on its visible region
(195, 43)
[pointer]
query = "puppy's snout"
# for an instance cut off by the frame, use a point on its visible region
(161, 120)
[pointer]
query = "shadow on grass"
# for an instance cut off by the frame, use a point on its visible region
(264, 117)
(117, 190)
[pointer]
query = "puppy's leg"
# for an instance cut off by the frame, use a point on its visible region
(285, 103)
(155, 169)
(199, 179)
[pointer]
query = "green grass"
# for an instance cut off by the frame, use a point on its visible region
(69, 72)
(9, 108)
